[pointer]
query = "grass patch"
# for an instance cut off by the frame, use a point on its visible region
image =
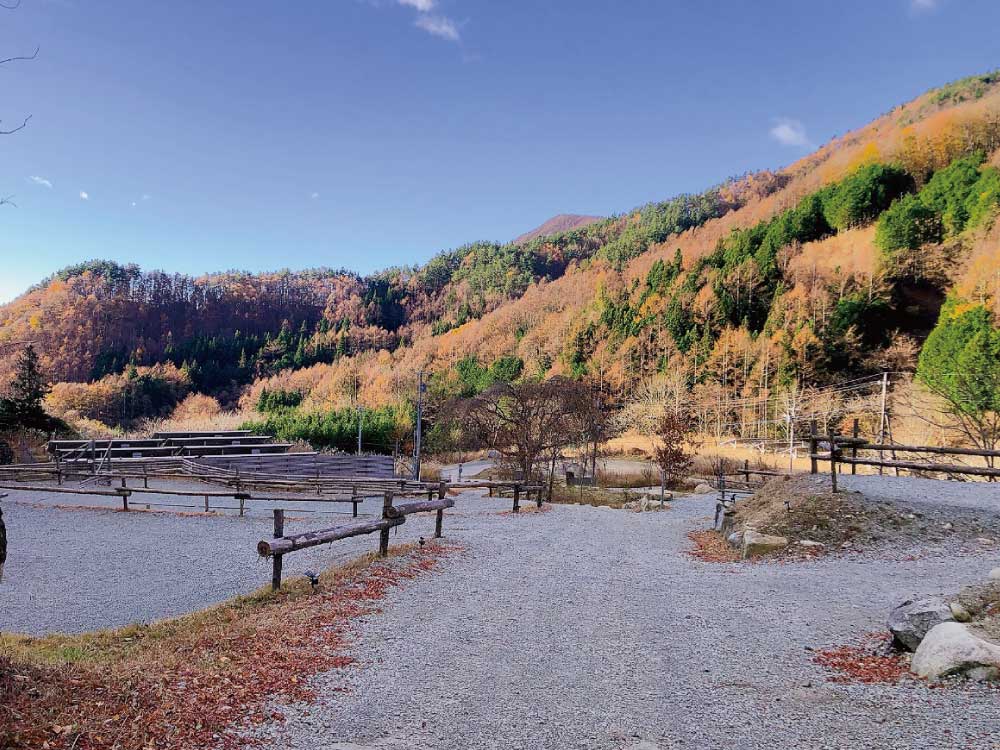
(194, 681)
(596, 496)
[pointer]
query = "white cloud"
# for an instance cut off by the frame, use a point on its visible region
(146, 196)
(84, 196)
(789, 132)
(440, 26)
(41, 181)
(923, 4)
(314, 196)
(424, 6)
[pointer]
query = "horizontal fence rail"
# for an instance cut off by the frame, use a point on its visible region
(844, 450)
(392, 515)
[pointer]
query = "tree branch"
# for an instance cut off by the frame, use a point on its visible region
(32, 56)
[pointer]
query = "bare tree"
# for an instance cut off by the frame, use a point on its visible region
(523, 422)
(8, 200)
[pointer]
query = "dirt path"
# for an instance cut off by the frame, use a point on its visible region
(589, 628)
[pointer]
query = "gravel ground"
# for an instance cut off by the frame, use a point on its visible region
(74, 570)
(590, 628)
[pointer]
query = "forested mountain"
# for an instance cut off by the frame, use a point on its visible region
(558, 225)
(834, 267)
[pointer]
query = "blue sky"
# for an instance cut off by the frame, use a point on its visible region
(197, 136)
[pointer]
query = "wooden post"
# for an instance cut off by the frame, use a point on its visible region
(813, 464)
(125, 501)
(538, 496)
(354, 507)
(383, 537)
(517, 498)
(279, 531)
(438, 523)
(833, 458)
(854, 446)
(442, 489)
(746, 471)
(206, 503)
(145, 477)
(242, 502)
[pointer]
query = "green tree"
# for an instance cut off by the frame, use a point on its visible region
(907, 225)
(960, 363)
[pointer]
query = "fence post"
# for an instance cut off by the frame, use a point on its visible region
(854, 447)
(383, 537)
(438, 523)
(538, 496)
(517, 498)
(746, 471)
(279, 531)
(833, 459)
(442, 489)
(206, 503)
(813, 443)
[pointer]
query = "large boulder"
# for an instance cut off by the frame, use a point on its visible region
(704, 488)
(756, 544)
(913, 619)
(952, 648)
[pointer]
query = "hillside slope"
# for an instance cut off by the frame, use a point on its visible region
(837, 266)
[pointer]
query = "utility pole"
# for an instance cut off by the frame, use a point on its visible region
(420, 415)
(357, 405)
(361, 411)
(882, 419)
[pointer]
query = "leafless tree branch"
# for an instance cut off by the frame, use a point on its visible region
(32, 56)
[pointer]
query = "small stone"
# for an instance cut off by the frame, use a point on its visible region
(960, 613)
(995, 574)
(810, 543)
(755, 543)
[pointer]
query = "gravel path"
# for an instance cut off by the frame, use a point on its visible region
(590, 628)
(73, 570)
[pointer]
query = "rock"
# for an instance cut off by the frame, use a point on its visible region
(735, 539)
(703, 489)
(755, 543)
(952, 648)
(911, 620)
(960, 613)
(810, 543)
(995, 574)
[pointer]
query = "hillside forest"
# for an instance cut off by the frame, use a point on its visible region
(749, 304)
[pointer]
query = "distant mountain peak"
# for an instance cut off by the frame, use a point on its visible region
(558, 224)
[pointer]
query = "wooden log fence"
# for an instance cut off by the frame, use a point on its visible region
(392, 516)
(835, 449)
(501, 487)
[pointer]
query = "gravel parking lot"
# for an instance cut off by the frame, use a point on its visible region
(77, 569)
(576, 628)
(590, 628)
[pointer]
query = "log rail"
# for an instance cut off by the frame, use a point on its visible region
(392, 516)
(844, 450)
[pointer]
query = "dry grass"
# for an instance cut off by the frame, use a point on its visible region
(597, 496)
(195, 681)
(430, 472)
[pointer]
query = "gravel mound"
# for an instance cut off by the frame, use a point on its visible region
(591, 628)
